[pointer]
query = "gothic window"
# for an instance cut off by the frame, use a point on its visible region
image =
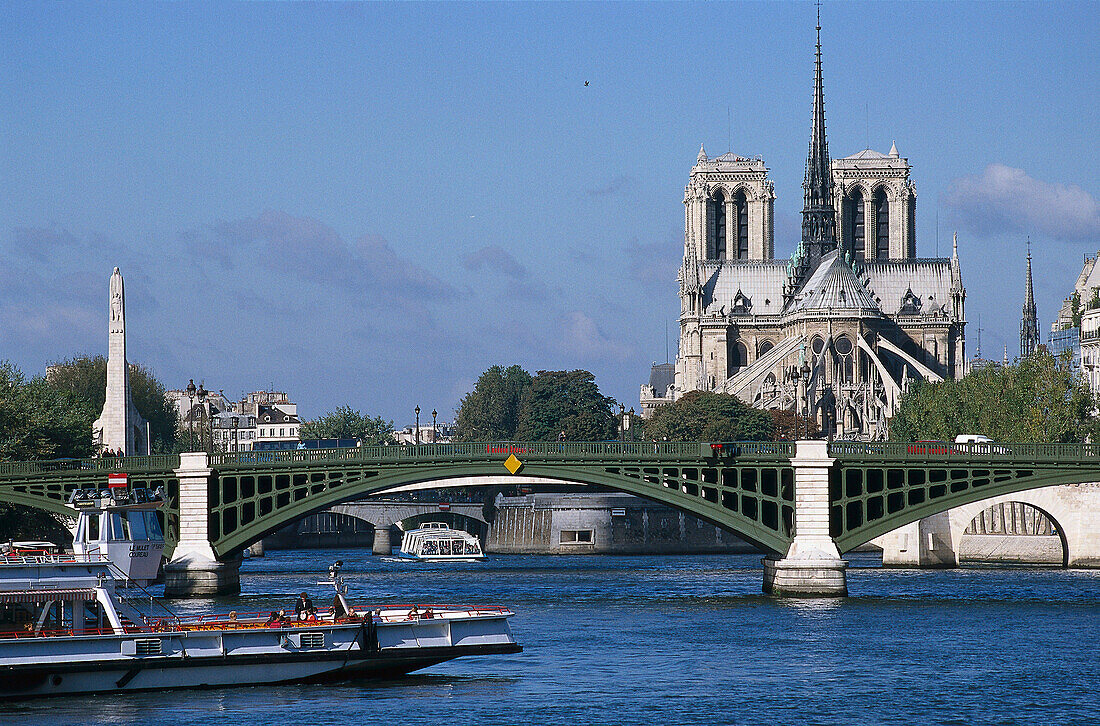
(912, 248)
(882, 224)
(844, 349)
(854, 226)
(737, 357)
(741, 209)
(716, 225)
(817, 346)
(765, 347)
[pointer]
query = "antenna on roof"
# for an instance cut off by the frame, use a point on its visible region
(666, 342)
(978, 352)
(937, 231)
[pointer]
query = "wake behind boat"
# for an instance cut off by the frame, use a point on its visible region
(436, 542)
(64, 629)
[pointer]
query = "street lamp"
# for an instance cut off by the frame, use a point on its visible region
(805, 371)
(433, 425)
(201, 395)
(236, 420)
(417, 409)
(191, 415)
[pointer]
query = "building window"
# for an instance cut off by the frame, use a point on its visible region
(716, 225)
(882, 225)
(844, 349)
(737, 357)
(576, 536)
(741, 209)
(281, 432)
(854, 224)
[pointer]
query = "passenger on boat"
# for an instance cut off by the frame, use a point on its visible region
(276, 619)
(303, 606)
(310, 616)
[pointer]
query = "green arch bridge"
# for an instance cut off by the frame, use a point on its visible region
(802, 503)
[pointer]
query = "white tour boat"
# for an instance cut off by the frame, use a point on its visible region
(435, 541)
(121, 526)
(64, 629)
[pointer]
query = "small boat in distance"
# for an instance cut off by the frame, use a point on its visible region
(436, 542)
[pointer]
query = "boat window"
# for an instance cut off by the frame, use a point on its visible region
(120, 527)
(472, 548)
(445, 547)
(137, 525)
(152, 526)
(92, 528)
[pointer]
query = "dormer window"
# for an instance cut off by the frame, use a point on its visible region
(910, 303)
(741, 304)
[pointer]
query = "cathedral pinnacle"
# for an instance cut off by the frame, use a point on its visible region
(894, 150)
(1029, 325)
(702, 155)
(818, 215)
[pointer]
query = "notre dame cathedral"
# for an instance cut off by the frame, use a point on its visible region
(838, 330)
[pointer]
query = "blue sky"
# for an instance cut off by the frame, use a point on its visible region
(370, 204)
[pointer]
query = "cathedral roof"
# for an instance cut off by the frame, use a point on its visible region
(928, 278)
(833, 286)
(758, 281)
(868, 154)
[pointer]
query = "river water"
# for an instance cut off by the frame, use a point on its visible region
(675, 640)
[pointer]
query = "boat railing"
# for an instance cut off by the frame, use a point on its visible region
(33, 558)
(405, 613)
(68, 632)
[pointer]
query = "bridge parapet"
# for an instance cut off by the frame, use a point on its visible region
(618, 451)
(945, 451)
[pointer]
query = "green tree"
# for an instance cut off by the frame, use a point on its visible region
(566, 401)
(1038, 399)
(86, 377)
(705, 416)
(38, 421)
(1076, 309)
(348, 423)
(491, 411)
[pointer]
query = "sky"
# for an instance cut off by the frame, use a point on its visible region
(370, 204)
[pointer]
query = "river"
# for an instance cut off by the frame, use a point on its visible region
(675, 640)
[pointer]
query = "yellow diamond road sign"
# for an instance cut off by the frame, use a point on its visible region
(513, 464)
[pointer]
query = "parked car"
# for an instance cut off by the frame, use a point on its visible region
(929, 447)
(986, 445)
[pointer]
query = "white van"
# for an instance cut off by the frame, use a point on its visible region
(973, 439)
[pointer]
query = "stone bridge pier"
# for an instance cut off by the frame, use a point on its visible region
(194, 569)
(812, 566)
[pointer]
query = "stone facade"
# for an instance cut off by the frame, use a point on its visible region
(839, 329)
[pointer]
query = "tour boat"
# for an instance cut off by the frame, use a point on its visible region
(65, 630)
(435, 541)
(120, 525)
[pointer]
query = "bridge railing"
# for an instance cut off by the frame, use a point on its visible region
(154, 463)
(936, 450)
(540, 450)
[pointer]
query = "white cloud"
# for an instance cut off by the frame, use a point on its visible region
(581, 336)
(1004, 199)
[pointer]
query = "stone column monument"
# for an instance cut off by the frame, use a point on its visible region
(120, 426)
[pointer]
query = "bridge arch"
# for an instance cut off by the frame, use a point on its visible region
(759, 509)
(1048, 502)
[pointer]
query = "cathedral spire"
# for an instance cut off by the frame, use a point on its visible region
(1029, 326)
(818, 215)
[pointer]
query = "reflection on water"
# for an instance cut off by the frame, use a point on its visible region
(675, 640)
